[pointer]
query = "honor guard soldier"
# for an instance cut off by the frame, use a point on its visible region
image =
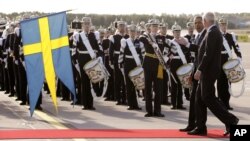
(88, 49)
(105, 45)
(131, 54)
(178, 58)
(153, 70)
(2, 27)
(6, 32)
(164, 29)
(9, 48)
(114, 51)
(76, 26)
(19, 61)
(230, 42)
(163, 32)
(191, 37)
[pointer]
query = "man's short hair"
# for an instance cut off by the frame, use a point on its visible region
(198, 17)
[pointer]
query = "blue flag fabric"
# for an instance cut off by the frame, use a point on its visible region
(47, 55)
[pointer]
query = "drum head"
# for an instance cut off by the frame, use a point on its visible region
(184, 69)
(136, 71)
(90, 64)
(231, 64)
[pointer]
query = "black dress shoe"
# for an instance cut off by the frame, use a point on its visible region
(11, 95)
(148, 115)
(230, 108)
(187, 129)
(227, 131)
(17, 99)
(22, 103)
(166, 103)
(130, 108)
(134, 108)
(197, 131)
(39, 108)
(173, 107)
(6, 92)
(89, 108)
(119, 103)
(159, 115)
(181, 108)
(107, 99)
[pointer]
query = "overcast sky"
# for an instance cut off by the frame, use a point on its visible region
(126, 6)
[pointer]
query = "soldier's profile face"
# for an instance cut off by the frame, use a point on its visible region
(223, 27)
(86, 26)
(154, 28)
(177, 34)
(132, 33)
(121, 28)
(163, 30)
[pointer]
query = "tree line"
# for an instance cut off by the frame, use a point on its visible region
(235, 20)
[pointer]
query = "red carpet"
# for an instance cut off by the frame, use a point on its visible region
(102, 133)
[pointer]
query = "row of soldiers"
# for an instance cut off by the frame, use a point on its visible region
(111, 46)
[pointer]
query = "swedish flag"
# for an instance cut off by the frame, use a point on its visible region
(46, 51)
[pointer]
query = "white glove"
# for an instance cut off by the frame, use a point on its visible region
(23, 64)
(112, 66)
(16, 62)
(240, 59)
(100, 59)
(154, 45)
(165, 57)
(77, 67)
(122, 70)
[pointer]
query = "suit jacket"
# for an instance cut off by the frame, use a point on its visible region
(209, 54)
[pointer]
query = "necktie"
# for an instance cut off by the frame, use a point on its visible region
(197, 39)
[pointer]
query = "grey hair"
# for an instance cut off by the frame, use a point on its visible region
(210, 17)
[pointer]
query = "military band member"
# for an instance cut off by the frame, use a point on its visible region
(114, 51)
(83, 58)
(130, 56)
(164, 29)
(105, 45)
(19, 58)
(10, 64)
(222, 82)
(2, 27)
(163, 32)
(153, 70)
(76, 27)
(191, 37)
(178, 58)
(4, 62)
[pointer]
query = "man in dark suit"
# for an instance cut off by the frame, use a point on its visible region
(209, 60)
(198, 25)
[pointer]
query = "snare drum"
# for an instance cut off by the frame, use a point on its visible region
(184, 74)
(137, 77)
(234, 70)
(94, 71)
